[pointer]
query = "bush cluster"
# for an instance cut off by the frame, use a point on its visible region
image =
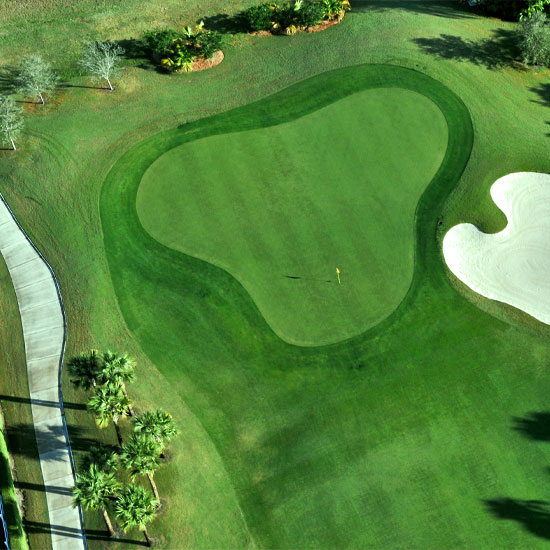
(289, 17)
(176, 50)
(535, 39)
(511, 9)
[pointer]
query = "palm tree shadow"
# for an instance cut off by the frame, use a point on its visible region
(535, 426)
(91, 534)
(534, 515)
(500, 51)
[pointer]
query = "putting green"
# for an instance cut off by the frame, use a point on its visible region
(281, 207)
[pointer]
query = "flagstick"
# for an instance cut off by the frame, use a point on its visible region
(338, 275)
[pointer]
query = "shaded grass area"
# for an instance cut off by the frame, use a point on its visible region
(336, 188)
(19, 429)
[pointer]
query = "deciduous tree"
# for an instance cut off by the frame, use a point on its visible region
(11, 119)
(36, 77)
(102, 60)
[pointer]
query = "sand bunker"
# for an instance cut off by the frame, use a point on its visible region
(512, 266)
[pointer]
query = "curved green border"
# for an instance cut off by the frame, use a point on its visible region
(127, 244)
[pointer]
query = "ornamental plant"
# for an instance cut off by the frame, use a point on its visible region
(289, 17)
(175, 51)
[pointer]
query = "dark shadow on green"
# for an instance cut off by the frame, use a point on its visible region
(534, 515)
(493, 53)
(91, 534)
(225, 23)
(535, 426)
(27, 440)
(43, 488)
(8, 76)
(42, 402)
(543, 92)
(439, 8)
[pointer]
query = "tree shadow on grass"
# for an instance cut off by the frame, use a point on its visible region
(42, 402)
(225, 23)
(543, 91)
(8, 76)
(493, 53)
(25, 440)
(534, 515)
(535, 426)
(91, 534)
(440, 8)
(136, 52)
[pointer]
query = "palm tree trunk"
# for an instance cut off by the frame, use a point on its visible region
(108, 522)
(109, 82)
(130, 408)
(154, 487)
(147, 537)
(118, 434)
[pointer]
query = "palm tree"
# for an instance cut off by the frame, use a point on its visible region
(108, 402)
(140, 456)
(85, 370)
(103, 456)
(94, 489)
(135, 507)
(159, 425)
(118, 370)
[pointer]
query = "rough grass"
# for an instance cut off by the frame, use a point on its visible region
(436, 435)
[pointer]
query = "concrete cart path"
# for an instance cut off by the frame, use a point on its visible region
(43, 320)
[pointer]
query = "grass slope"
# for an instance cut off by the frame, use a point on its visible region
(455, 409)
(338, 187)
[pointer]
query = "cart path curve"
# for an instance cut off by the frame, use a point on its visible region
(44, 332)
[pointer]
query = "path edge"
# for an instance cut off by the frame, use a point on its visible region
(62, 355)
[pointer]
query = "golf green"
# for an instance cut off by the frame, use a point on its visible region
(281, 207)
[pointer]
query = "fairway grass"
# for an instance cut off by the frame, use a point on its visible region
(428, 431)
(281, 207)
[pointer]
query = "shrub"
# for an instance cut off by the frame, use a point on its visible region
(258, 18)
(535, 39)
(179, 57)
(158, 42)
(334, 8)
(310, 14)
(208, 43)
(511, 9)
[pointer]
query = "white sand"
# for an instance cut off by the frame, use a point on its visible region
(512, 266)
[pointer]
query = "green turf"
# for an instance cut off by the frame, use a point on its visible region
(280, 208)
(432, 443)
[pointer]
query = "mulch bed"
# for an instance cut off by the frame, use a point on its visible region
(201, 64)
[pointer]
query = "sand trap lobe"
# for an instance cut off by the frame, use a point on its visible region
(512, 266)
